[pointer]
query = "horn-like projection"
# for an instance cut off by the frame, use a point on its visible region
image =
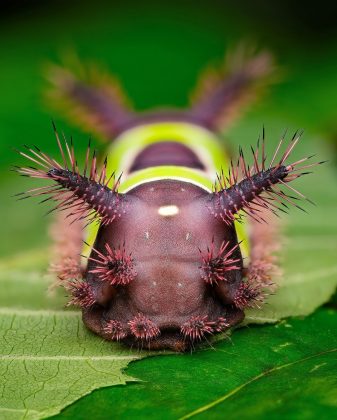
(88, 96)
(221, 94)
(87, 194)
(260, 185)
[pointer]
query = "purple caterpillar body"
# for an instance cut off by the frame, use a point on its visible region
(165, 268)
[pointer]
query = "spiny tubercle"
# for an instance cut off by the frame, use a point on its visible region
(240, 195)
(97, 197)
(82, 294)
(115, 267)
(88, 196)
(143, 328)
(198, 326)
(249, 296)
(256, 191)
(215, 265)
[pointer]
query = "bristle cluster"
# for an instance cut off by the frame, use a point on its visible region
(66, 269)
(115, 330)
(233, 198)
(143, 328)
(89, 96)
(222, 94)
(115, 267)
(221, 325)
(197, 327)
(249, 296)
(263, 269)
(215, 265)
(89, 194)
(262, 272)
(67, 245)
(82, 294)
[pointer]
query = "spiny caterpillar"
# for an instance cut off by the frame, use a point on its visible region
(166, 244)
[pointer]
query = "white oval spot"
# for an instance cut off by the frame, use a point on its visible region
(168, 211)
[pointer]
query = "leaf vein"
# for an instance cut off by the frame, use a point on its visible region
(64, 357)
(254, 379)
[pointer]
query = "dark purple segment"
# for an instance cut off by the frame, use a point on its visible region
(111, 114)
(166, 153)
(225, 95)
(233, 199)
(91, 194)
(160, 116)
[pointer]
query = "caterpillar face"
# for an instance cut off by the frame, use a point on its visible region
(166, 228)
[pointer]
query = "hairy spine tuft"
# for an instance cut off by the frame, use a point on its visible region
(89, 195)
(215, 266)
(259, 188)
(115, 267)
(197, 327)
(82, 294)
(143, 328)
(114, 329)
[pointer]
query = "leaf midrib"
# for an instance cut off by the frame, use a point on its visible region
(65, 357)
(18, 410)
(36, 312)
(254, 379)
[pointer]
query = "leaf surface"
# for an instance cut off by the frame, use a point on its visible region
(286, 370)
(47, 358)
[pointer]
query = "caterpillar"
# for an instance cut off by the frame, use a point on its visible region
(168, 241)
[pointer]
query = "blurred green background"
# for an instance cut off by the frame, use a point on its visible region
(157, 50)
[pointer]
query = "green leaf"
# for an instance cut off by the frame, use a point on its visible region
(249, 375)
(259, 367)
(50, 360)
(286, 370)
(47, 358)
